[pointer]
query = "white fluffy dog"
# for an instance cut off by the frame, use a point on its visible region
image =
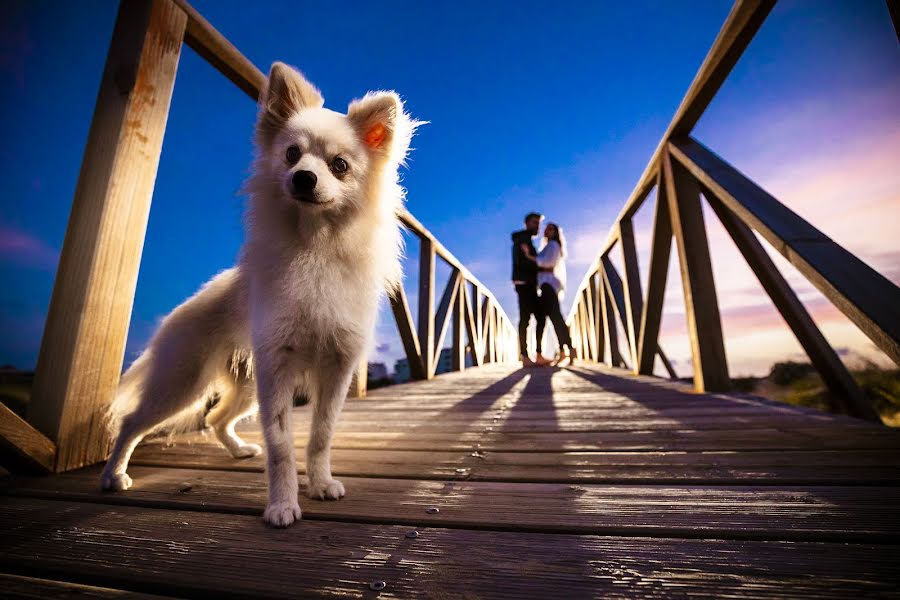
(296, 314)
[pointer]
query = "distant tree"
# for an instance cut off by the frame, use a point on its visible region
(785, 373)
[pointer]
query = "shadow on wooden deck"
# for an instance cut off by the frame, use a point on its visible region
(581, 482)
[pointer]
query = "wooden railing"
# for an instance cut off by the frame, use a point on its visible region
(83, 346)
(466, 308)
(682, 169)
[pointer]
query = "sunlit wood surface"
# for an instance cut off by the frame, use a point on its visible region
(570, 483)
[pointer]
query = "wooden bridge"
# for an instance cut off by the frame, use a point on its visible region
(598, 480)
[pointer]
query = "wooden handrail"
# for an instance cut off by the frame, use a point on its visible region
(682, 169)
(742, 23)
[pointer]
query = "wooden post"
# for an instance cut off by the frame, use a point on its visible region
(359, 383)
(660, 251)
(701, 304)
(596, 283)
(486, 334)
(634, 302)
(820, 352)
(426, 304)
(459, 319)
(589, 328)
(84, 340)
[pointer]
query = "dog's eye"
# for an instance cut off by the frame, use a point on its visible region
(293, 154)
(339, 165)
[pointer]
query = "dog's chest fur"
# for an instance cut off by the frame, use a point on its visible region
(320, 301)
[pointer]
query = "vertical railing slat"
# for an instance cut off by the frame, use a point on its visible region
(634, 302)
(426, 303)
(701, 304)
(658, 270)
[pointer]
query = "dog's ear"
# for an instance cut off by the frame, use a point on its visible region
(286, 92)
(375, 119)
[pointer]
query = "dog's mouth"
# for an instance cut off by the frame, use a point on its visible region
(309, 199)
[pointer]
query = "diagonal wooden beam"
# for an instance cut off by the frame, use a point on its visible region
(634, 303)
(472, 328)
(616, 289)
(22, 447)
(820, 352)
(442, 317)
(613, 308)
(407, 331)
(868, 298)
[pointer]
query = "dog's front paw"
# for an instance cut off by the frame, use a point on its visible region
(330, 489)
(282, 514)
(115, 482)
(247, 451)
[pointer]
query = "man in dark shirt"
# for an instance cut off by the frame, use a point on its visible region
(524, 277)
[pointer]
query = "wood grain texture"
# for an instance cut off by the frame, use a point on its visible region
(22, 447)
(84, 340)
(332, 558)
(818, 513)
(704, 322)
(868, 298)
(549, 468)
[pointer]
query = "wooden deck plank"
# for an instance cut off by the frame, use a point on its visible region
(687, 440)
(825, 513)
(17, 587)
(171, 552)
(712, 468)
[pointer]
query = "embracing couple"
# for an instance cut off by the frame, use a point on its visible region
(540, 278)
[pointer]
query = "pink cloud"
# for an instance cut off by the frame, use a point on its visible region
(24, 249)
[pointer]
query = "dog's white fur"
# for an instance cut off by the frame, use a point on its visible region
(297, 312)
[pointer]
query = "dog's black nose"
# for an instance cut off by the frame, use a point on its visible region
(304, 181)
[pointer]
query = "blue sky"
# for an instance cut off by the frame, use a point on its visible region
(549, 106)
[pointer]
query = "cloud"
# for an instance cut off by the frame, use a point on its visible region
(22, 248)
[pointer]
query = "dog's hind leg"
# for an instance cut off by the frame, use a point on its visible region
(330, 390)
(238, 400)
(163, 396)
